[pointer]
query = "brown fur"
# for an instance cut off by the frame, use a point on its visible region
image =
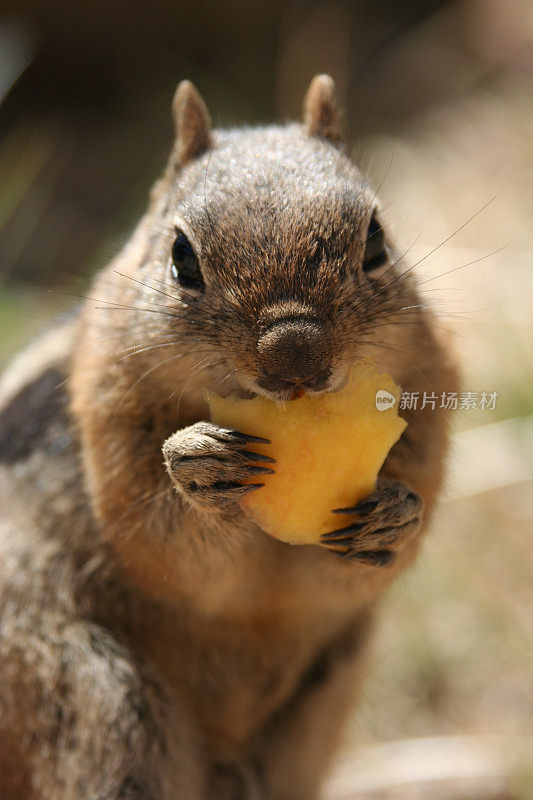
(156, 644)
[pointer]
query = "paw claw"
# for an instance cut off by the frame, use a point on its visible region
(251, 456)
(386, 520)
(251, 487)
(361, 508)
(341, 541)
(366, 507)
(245, 437)
(342, 533)
(253, 470)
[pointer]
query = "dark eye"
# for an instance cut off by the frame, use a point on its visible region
(185, 266)
(376, 253)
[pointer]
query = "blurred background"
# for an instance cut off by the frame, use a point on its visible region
(438, 100)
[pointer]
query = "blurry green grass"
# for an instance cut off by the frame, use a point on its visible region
(24, 314)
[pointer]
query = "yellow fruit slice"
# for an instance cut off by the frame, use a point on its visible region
(328, 448)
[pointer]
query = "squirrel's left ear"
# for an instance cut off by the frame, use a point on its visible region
(192, 123)
(321, 117)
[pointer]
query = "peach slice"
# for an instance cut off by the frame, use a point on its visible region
(328, 448)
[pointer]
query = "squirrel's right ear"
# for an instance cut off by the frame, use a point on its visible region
(192, 123)
(321, 117)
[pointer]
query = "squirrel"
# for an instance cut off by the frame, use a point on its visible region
(154, 643)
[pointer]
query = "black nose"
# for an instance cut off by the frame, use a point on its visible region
(293, 354)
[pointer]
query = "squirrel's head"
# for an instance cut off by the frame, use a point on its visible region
(264, 251)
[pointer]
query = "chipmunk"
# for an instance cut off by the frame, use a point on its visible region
(154, 643)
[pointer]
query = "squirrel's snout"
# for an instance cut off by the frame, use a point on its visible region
(294, 354)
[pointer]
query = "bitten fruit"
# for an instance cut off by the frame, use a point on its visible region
(328, 449)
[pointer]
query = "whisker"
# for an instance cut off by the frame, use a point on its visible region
(413, 323)
(193, 374)
(391, 349)
(220, 382)
(145, 375)
(152, 288)
(139, 310)
(462, 266)
(162, 233)
(402, 275)
(112, 303)
(124, 333)
(455, 232)
(170, 286)
(383, 179)
(399, 259)
(408, 308)
(145, 349)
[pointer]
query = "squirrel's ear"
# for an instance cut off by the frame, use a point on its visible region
(321, 117)
(191, 121)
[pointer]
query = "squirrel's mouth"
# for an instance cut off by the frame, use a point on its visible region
(278, 386)
(297, 393)
(247, 386)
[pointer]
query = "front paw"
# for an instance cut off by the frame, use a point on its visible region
(209, 464)
(386, 520)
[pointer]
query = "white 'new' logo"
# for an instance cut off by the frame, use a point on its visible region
(384, 400)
